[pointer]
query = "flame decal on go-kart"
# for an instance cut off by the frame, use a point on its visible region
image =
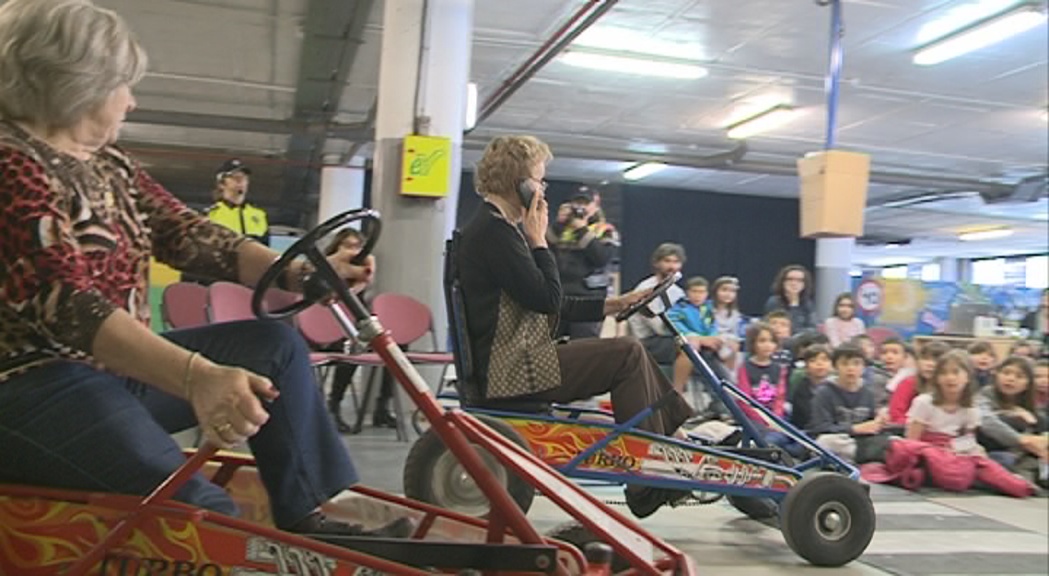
(41, 533)
(557, 443)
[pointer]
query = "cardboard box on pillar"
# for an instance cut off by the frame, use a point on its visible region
(833, 193)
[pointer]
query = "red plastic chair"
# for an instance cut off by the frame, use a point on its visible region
(229, 302)
(184, 305)
(319, 327)
(879, 334)
(408, 320)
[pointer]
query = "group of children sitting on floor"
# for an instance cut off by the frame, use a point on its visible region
(950, 418)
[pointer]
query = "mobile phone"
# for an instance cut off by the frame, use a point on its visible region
(525, 193)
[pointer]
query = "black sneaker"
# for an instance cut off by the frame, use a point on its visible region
(336, 416)
(384, 419)
(644, 501)
(320, 525)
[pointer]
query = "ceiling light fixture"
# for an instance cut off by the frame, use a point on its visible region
(660, 68)
(992, 234)
(770, 119)
(982, 34)
(643, 170)
(470, 119)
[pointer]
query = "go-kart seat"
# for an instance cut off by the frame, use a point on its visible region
(470, 390)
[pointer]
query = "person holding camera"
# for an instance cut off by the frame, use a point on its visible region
(585, 247)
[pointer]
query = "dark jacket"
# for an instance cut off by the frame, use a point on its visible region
(496, 263)
(582, 259)
(835, 410)
(802, 316)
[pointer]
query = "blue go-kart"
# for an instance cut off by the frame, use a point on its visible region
(822, 508)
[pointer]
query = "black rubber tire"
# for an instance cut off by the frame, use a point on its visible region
(579, 536)
(429, 457)
(809, 500)
(755, 508)
(419, 422)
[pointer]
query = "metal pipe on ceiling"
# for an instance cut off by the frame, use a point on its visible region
(565, 35)
(731, 161)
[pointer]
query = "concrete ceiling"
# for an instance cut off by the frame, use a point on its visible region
(231, 77)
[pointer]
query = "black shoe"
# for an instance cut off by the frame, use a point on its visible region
(320, 525)
(644, 501)
(336, 416)
(384, 419)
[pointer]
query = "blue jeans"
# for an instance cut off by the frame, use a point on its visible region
(68, 425)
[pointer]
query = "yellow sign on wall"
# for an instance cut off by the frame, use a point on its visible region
(425, 166)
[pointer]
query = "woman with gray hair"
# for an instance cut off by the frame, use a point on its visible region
(512, 294)
(88, 394)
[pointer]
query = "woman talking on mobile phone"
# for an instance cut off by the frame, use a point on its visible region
(513, 299)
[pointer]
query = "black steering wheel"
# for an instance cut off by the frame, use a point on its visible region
(324, 280)
(657, 291)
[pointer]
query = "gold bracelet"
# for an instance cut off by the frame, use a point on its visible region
(185, 377)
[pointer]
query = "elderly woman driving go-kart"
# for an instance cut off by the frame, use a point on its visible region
(88, 394)
(513, 298)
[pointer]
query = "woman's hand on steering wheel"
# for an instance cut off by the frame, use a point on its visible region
(617, 304)
(357, 276)
(226, 401)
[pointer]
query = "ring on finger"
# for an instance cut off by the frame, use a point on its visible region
(222, 429)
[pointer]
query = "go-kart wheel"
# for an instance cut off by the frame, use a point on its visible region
(755, 508)
(434, 475)
(579, 536)
(827, 519)
(420, 423)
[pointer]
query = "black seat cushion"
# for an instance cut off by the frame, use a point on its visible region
(523, 405)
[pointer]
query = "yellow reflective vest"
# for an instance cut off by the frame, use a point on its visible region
(246, 219)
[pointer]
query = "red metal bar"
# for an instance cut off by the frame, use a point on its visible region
(163, 492)
(525, 464)
(453, 438)
(558, 35)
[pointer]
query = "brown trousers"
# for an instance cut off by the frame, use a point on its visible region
(593, 366)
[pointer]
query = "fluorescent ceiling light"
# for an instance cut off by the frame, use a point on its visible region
(634, 65)
(643, 170)
(992, 234)
(619, 39)
(471, 106)
(980, 35)
(770, 119)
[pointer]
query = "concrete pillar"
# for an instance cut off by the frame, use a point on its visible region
(833, 261)
(342, 189)
(436, 67)
(950, 269)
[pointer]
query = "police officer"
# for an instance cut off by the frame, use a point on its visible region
(230, 209)
(586, 246)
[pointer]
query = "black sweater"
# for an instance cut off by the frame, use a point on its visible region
(494, 258)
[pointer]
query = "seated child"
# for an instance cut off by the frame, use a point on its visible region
(984, 359)
(945, 418)
(1010, 427)
(803, 342)
(1041, 387)
(843, 412)
(1024, 348)
(780, 323)
(817, 369)
(694, 318)
(897, 358)
(874, 376)
(759, 376)
(909, 388)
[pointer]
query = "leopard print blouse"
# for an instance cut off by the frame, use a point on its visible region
(75, 245)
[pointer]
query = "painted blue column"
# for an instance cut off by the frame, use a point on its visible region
(833, 255)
